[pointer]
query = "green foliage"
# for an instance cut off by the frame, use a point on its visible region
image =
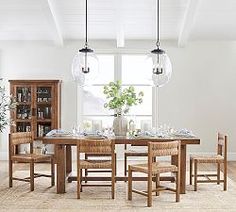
(6, 103)
(121, 100)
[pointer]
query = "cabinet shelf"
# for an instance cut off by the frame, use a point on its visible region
(23, 120)
(24, 103)
(44, 103)
(44, 120)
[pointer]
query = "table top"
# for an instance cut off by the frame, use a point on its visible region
(72, 140)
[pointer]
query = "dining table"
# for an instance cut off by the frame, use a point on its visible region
(63, 157)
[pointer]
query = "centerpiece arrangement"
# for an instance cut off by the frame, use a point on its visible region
(120, 100)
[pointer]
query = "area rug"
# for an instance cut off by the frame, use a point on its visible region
(209, 197)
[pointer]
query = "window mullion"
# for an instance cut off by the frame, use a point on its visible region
(155, 107)
(118, 67)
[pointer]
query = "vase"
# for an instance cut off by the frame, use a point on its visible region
(120, 126)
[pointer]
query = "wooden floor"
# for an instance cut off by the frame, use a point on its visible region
(4, 168)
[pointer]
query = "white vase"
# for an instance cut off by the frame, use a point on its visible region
(120, 126)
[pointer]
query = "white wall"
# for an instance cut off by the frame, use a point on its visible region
(200, 95)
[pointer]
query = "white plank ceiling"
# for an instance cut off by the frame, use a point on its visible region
(60, 20)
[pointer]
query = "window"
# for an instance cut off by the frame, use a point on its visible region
(93, 97)
(132, 70)
(134, 73)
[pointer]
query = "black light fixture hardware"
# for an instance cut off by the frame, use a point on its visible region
(161, 65)
(85, 62)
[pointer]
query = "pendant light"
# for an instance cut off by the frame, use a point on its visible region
(85, 62)
(161, 65)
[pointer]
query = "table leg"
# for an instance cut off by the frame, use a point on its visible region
(174, 161)
(183, 169)
(68, 159)
(60, 150)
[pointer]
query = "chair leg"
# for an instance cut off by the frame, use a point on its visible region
(177, 184)
(78, 183)
(149, 199)
(125, 167)
(52, 172)
(113, 182)
(115, 166)
(85, 170)
(190, 171)
(218, 173)
(129, 184)
(31, 176)
(157, 184)
(195, 175)
(10, 173)
(225, 176)
(81, 177)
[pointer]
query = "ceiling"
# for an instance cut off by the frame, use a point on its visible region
(61, 20)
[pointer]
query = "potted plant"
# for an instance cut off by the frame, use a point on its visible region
(120, 100)
(6, 103)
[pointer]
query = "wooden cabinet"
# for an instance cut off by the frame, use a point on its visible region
(38, 108)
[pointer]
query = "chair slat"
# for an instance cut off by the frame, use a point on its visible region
(95, 146)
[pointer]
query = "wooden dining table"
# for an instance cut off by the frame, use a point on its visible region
(63, 157)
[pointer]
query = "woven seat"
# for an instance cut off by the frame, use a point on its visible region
(16, 139)
(220, 159)
(95, 148)
(157, 168)
(207, 158)
(152, 168)
(97, 156)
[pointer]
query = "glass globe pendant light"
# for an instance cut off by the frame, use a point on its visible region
(85, 63)
(161, 65)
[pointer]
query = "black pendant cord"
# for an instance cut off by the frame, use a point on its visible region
(86, 23)
(158, 24)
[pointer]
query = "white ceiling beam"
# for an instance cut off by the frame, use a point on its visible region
(120, 37)
(53, 18)
(119, 22)
(188, 21)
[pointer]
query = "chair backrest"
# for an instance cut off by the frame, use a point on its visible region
(95, 146)
(222, 144)
(20, 138)
(158, 149)
(163, 148)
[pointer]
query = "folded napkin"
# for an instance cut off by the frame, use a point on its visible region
(183, 133)
(58, 133)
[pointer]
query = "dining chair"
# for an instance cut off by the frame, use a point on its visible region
(220, 158)
(154, 169)
(99, 147)
(16, 139)
(92, 156)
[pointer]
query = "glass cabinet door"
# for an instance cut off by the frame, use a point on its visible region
(44, 96)
(23, 113)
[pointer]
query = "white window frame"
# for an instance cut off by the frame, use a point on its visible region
(118, 76)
